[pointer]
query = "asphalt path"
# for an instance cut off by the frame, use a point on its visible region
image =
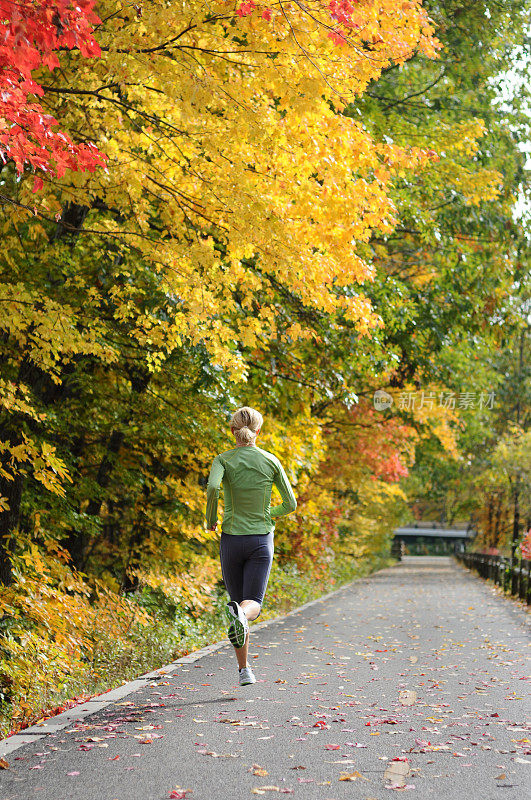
(412, 680)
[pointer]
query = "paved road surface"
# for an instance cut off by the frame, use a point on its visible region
(325, 719)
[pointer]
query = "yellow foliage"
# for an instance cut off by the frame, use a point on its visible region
(54, 629)
(191, 587)
(226, 129)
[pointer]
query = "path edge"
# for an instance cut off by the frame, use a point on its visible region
(100, 701)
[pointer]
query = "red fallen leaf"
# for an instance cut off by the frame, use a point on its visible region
(179, 794)
(495, 715)
(332, 746)
(400, 786)
(321, 724)
(114, 758)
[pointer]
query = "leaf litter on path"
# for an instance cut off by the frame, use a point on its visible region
(352, 776)
(396, 772)
(256, 769)
(407, 697)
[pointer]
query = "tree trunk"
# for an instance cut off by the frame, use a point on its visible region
(76, 542)
(9, 519)
(496, 538)
(516, 516)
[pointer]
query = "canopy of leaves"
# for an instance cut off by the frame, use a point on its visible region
(301, 203)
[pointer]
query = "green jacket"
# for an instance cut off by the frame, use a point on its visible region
(247, 474)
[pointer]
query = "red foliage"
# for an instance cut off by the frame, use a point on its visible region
(246, 8)
(382, 444)
(340, 12)
(30, 33)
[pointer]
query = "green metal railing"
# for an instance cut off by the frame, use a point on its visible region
(512, 574)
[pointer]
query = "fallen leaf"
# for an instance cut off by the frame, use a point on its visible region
(3, 764)
(396, 772)
(400, 787)
(407, 697)
(256, 769)
(352, 776)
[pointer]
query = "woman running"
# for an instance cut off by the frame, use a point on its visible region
(246, 546)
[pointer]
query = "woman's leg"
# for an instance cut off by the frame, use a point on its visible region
(232, 551)
(232, 558)
(256, 571)
(251, 609)
(245, 565)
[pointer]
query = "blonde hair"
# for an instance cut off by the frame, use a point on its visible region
(245, 424)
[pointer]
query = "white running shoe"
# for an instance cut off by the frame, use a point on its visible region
(238, 624)
(246, 676)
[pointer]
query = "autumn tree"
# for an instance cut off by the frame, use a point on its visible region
(32, 35)
(219, 190)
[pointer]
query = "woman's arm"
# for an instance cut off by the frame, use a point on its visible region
(289, 504)
(214, 482)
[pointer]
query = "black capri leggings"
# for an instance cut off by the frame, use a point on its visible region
(245, 565)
